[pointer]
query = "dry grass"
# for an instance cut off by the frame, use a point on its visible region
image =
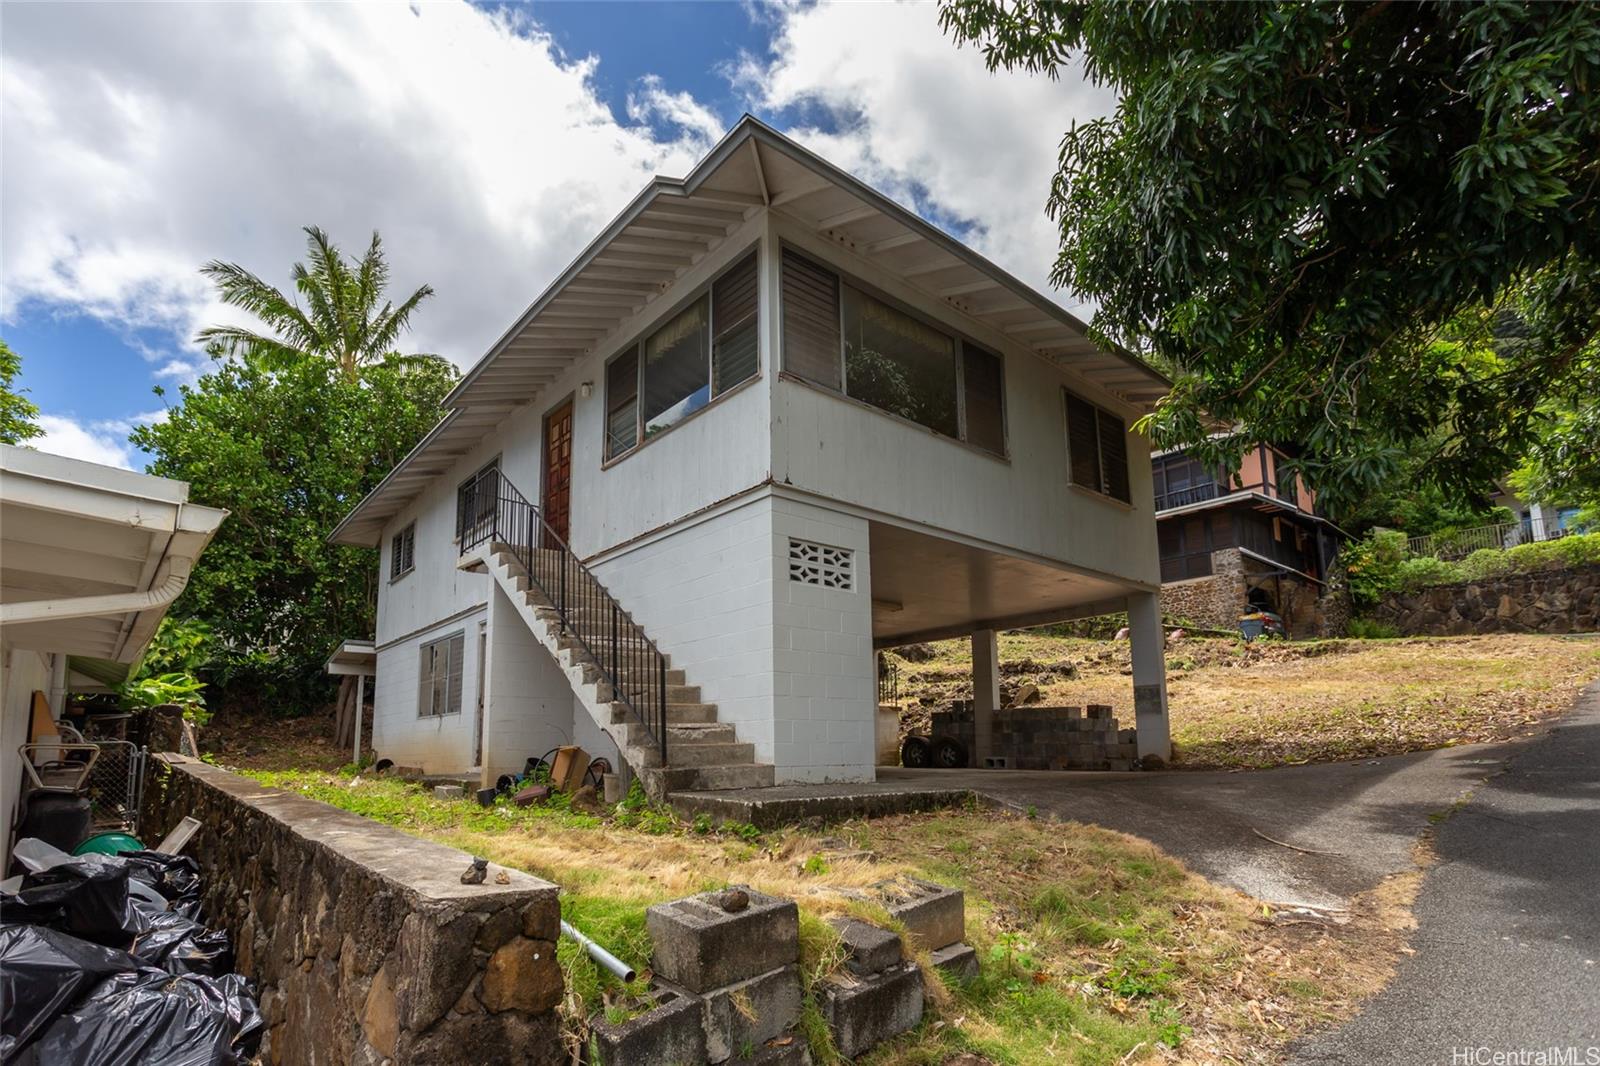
(1097, 947)
(1270, 704)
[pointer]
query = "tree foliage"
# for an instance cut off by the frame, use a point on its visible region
(346, 318)
(1314, 213)
(18, 414)
(288, 451)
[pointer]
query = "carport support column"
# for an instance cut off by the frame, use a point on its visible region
(1149, 675)
(985, 693)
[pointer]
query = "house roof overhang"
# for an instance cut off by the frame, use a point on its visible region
(675, 223)
(353, 657)
(91, 556)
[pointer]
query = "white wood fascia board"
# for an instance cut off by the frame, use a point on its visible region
(57, 497)
(46, 466)
(844, 218)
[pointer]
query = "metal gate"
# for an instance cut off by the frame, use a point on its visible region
(116, 784)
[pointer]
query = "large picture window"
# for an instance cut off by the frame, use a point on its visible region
(439, 690)
(1097, 448)
(701, 352)
(845, 339)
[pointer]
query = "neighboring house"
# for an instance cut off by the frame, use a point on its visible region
(90, 559)
(1534, 519)
(1250, 540)
(781, 421)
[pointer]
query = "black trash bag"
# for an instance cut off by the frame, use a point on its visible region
(176, 877)
(152, 1018)
(178, 944)
(42, 973)
(85, 898)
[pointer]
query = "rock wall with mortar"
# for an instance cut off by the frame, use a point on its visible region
(1548, 601)
(364, 945)
(1217, 601)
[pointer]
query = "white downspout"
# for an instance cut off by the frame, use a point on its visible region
(159, 595)
(58, 685)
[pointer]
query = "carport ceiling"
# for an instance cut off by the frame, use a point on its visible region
(925, 587)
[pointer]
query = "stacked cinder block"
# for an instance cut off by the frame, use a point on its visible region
(727, 986)
(935, 917)
(1047, 738)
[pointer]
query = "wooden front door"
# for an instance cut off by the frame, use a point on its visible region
(558, 473)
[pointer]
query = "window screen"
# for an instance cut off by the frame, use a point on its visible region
(984, 387)
(403, 552)
(898, 363)
(733, 327)
(811, 321)
(1097, 449)
(439, 687)
(622, 403)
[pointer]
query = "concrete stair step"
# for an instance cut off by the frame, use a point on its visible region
(684, 753)
(682, 714)
(707, 778)
(700, 733)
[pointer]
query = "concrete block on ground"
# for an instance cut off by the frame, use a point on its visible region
(448, 792)
(933, 915)
(670, 1034)
(701, 946)
(865, 1012)
(957, 960)
(871, 949)
(749, 1013)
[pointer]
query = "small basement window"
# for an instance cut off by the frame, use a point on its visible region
(1097, 448)
(439, 688)
(403, 552)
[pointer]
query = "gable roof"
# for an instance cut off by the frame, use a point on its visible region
(675, 222)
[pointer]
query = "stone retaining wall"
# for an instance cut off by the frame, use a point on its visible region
(1548, 601)
(365, 946)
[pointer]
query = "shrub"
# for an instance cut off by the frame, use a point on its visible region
(1371, 629)
(1420, 571)
(1372, 565)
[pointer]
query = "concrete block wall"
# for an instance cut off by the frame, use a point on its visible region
(529, 704)
(703, 592)
(826, 698)
(437, 744)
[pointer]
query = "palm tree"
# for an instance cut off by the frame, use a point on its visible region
(342, 319)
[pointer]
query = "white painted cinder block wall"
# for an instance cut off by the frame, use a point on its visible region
(25, 672)
(789, 665)
(437, 744)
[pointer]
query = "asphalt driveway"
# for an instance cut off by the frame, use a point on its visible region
(1356, 822)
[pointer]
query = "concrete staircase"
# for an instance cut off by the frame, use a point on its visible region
(702, 753)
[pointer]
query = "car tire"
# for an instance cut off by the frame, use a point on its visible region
(949, 754)
(916, 753)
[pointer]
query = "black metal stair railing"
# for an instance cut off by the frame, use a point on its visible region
(489, 509)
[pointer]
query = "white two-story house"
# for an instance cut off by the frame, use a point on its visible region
(767, 422)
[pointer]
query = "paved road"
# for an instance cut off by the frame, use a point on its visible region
(1508, 939)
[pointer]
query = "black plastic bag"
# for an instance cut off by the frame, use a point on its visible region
(180, 945)
(42, 973)
(151, 1018)
(176, 877)
(85, 898)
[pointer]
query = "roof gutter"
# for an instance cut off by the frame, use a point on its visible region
(157, 596)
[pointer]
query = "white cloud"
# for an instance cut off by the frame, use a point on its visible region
(926, 122)
(141, 140)
(100, 443)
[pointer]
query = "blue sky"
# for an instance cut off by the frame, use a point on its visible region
(487, 144)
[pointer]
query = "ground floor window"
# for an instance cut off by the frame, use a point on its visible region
(439, 691)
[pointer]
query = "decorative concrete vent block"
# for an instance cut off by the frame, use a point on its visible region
(934, 916)
(864, 1012)
(701, 946)
(670, 1034)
